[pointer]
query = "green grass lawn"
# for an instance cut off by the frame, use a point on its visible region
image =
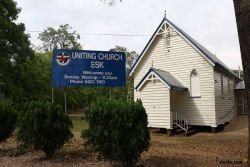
(78, 125)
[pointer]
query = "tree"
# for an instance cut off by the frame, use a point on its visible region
(130, 56)
(45, 126)
(61, 38)
(117, 130)
(14, 48)
(110, 2)
(8, 118)
(242, 12)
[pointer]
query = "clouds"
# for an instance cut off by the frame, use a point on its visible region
(211, 22)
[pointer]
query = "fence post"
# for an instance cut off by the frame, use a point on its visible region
(65, 102)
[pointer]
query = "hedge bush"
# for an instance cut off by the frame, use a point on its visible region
(44, 126)
(8, 117)
(117, 131)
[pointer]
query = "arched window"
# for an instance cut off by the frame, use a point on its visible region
(194, 84)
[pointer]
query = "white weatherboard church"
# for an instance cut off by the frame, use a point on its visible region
(181, 83)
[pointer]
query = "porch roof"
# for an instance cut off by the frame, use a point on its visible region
(167, 78)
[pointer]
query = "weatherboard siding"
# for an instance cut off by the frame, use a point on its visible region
(180, 59)
(156, 100)
(226, 101)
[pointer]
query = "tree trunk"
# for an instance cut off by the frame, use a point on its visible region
(242, 12)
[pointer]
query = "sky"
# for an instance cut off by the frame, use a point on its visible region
(211, 22)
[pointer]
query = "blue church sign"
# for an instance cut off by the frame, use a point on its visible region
(88, 68)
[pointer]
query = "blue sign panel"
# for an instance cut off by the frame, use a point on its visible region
(88, 68)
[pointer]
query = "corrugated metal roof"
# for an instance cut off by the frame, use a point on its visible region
(166, 77)
(206, 52)
(240, 85)
(201, 48)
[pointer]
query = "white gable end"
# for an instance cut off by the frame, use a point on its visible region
(180, 59)
(164, 28)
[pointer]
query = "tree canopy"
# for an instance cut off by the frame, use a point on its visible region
(130, 55)
(15, 49)
(61, 38)
(26, 75)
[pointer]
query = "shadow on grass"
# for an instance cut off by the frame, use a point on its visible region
(7, 151)
(158, 161)
(14, 152)
(69, 156)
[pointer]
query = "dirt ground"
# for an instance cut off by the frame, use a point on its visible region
(225, 148)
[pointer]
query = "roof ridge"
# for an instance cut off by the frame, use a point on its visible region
(204, 51)
(202, 48)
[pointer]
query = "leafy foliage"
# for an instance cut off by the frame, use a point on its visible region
(14, 49)
(111, 2)
(8, 118)
(39, 69)
(61, 38)
(117, 130)
(35, 79)
(36, 85)
(26, 76)
(44, 126)
(130, 56)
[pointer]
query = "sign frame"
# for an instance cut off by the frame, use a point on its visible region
(88, 68)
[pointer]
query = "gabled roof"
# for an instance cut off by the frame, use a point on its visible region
(211, 58)
(168, 80)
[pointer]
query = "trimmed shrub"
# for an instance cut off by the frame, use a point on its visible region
(44, 126)
(117, 131)
(8, 117)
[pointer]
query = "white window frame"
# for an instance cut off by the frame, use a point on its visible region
(222, 86)
(197, 93)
